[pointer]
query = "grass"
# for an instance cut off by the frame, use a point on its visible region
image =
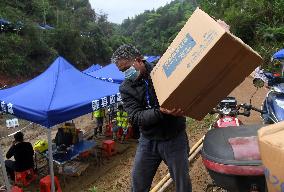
(93, 189)
(195, 125)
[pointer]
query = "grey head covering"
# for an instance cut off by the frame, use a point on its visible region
(126, 51)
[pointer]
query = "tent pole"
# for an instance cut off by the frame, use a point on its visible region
(7, 183)
(50, 158)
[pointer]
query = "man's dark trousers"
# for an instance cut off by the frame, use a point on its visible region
(150, 153)
(10, 168)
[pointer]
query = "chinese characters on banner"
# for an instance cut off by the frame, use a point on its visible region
(105, 101)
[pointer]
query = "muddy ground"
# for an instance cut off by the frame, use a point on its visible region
(113, 174)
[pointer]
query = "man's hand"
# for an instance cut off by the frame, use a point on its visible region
(174, 112)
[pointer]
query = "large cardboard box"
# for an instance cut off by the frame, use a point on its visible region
(202, 65)
(271, 144)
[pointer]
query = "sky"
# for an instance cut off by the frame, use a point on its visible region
(118, 10)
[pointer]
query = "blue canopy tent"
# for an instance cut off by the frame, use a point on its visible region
(4, 21)
(67, 93)
(151, 59)
(108, 73)
(48, 26)
(59, 94)
(4, 24)
(94, 67)
(42, 26)
(112, 74)
(279, 54)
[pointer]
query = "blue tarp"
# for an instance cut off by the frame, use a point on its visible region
(112, 74)
(279, 54)
(94, 67)
(59, 94)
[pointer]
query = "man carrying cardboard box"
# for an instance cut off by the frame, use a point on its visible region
(163, 135)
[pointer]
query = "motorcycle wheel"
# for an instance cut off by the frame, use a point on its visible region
(214, 188)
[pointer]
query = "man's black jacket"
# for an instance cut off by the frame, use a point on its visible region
(152, 123)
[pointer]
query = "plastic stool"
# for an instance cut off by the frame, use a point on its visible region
(45, 184)
(25, 177)
(16, 189)
(109, 147)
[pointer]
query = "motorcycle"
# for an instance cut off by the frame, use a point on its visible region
(273, 105)
(230, 150)
(228, 112)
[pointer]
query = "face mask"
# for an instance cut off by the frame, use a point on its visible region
(131, 73)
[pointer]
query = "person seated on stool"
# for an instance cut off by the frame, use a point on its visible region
(23, 154)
